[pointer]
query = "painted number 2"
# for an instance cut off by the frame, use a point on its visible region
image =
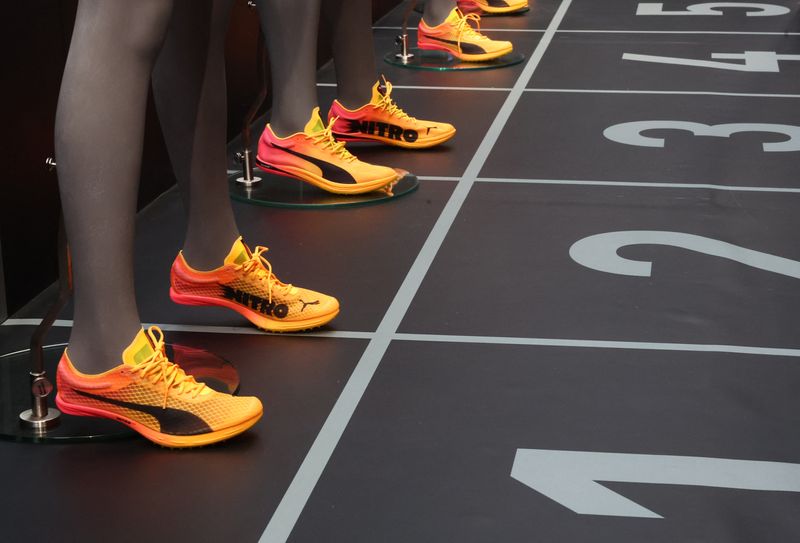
(714, 8)
(599, 252)
(631, 133)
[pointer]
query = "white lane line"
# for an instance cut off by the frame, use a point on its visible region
(437, 178)
(202, 329)
(434, 87)
(488, 340)
(706, 186)
(294, 500)
(697, 32)
(599, 31)
(600, 344)
(689, 93)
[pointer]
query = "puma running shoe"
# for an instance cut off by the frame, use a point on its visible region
(493, 6)
(245, 283)
(382, 120)
(155, 397)
(314, 156)
(457, 37)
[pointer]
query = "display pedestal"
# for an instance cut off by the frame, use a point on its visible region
(280, 191)
(445, 62)
(15, 395)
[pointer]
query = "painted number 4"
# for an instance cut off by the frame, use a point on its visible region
(754, 61)
(714, 8)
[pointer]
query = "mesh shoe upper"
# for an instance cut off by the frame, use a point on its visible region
(383, 120)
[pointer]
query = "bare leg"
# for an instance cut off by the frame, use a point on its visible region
(290, 28)
(189, 86)
(98, 141)
(353, 53)
(436, 11)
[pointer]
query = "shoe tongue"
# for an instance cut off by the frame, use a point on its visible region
(454, 16)
(314, 124)
(139, 350)
(380, 89)
(239, 253)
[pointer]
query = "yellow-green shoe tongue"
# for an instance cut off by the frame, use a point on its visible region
(454, 16)
(140, 349)
(380, 89)
(239, 253)
(314, 124)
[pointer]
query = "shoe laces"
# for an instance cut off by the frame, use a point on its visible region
(466, 31)
(387, 104)
(157, 368)
(261, 268)
(324, 139)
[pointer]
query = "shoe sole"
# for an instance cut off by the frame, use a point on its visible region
(464, 56)
(325, 184)
(492, 10)
(165, 440)
(259, 320)
(416, 145)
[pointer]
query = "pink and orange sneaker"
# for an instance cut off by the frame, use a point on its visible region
(314, 156)
(383, 121)
(457, 37)
(245, 283)
(155, 397)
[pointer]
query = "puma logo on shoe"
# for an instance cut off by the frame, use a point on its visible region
(315, 302)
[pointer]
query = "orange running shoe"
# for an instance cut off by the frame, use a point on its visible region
(246, 284)
(457, 37)
(155, 397)
(314, 156)
(382, 120)
(493, 6)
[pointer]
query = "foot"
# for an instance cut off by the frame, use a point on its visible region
(492, 6)
(382, 120)
(155, 397)
(457, 37)
(314, 156)
(245, 283)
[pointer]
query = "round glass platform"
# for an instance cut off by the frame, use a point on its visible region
(279, 191)
(15, 395)
(443, 61)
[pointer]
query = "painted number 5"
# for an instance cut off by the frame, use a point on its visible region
(714, 8)
(631, 133)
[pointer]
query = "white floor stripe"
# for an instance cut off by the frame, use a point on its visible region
(600, 31)
(706, 186)
(293, 502)
(487, 340)
(434, 87)
(202, 329)
(689, 93)
(437, 178)
(601, 344)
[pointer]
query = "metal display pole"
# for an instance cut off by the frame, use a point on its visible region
(39, 418)
(246, 155)
(404, 54)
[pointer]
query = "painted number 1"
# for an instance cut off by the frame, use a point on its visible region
(714, 8)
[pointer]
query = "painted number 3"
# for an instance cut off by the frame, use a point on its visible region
(714, 8)
(631, 133)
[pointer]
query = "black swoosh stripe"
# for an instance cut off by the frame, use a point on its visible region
(331, 172)
(498, 3)
(468, 48)
(172, 421)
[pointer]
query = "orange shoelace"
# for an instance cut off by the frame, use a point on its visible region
(157, 368)
(325, 140)
(261, 268)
